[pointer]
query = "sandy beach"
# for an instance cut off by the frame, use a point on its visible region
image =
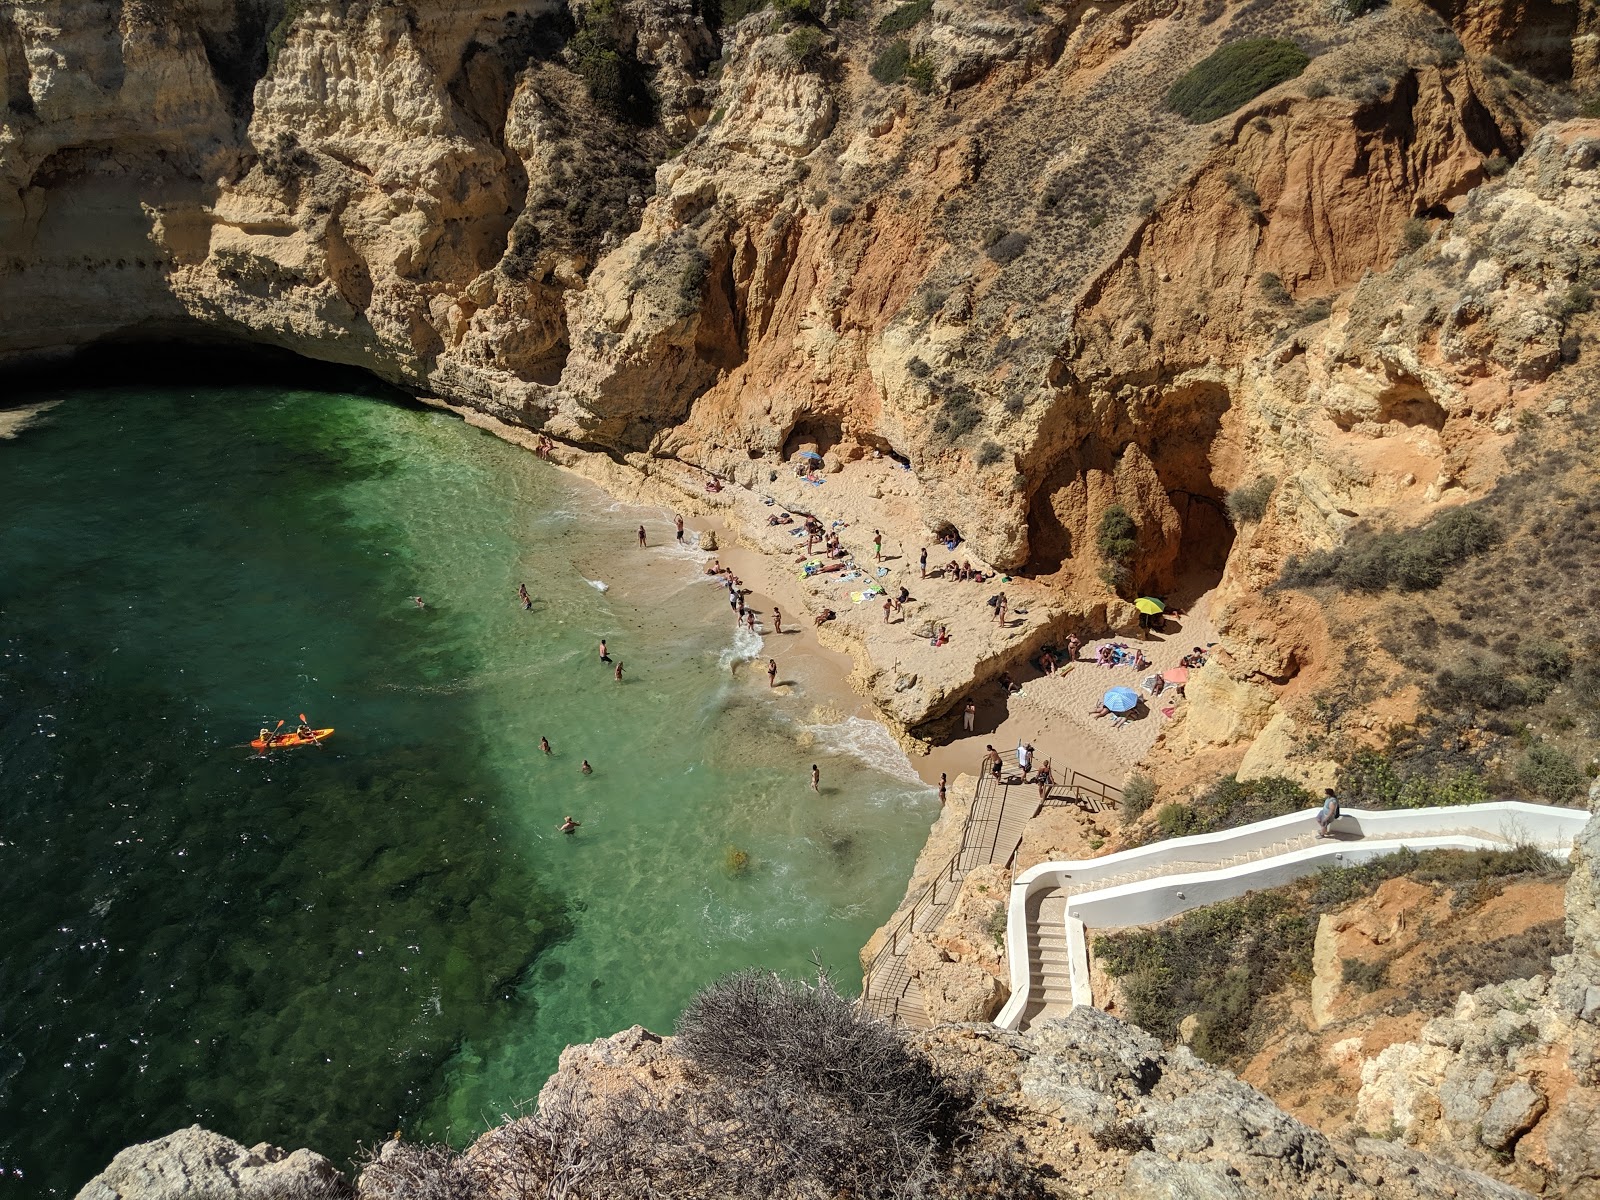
(827, 668)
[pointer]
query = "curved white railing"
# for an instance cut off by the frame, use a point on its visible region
(1152, 883)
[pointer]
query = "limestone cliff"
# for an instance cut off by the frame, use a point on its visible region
(1510, 1081)
(1084, 1105)
(654, 232)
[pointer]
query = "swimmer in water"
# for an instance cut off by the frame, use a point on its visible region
(618, 673)
(569, 826)
(417, 600)
(544, 744)
(605, 655)
(586, 768)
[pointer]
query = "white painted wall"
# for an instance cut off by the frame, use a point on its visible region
(1196, 879)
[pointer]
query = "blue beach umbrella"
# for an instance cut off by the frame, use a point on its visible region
(1121, 699)
(811, 454)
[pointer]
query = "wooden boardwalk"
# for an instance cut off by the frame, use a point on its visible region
(991, 835)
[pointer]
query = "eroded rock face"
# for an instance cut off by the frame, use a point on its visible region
(1506, 1082)
(1044, 289)
(196, 1164)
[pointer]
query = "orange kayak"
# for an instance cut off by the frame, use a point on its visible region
(292, 739)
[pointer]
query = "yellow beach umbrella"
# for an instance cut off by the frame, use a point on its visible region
(1149, 604)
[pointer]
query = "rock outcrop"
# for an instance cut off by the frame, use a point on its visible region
(196, 1164)
(1509, 1083)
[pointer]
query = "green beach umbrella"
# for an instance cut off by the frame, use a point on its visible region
(1149, 604)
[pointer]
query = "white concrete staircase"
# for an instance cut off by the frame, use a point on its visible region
(1052, 904)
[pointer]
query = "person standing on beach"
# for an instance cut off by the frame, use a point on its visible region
(544, 744)
(772, 672)
(641, 537)
(1072, 648)
(922, 562)
(618, 672)
(777, 621)
(816, 779)
(888, 607)
(969, 715)
(941, 787)
(877, 546)
(605, 655)
(679, 521)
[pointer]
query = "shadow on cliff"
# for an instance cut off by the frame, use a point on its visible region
(198, 357)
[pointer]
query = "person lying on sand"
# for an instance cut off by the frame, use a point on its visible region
(825, 616)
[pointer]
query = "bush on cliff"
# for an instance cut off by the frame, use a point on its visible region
(786, 1089)
(1411, 560)
(1249, 503)
(904, 17)
(1235, 74)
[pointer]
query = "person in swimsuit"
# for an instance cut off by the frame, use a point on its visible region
(679, 522)
(617, 674)
(777, 621)
(544, 744)
(586, 768)
(942, 783)
(816, 779)
(569, 826)
(605, 655)
(772, 672)
(641, 537)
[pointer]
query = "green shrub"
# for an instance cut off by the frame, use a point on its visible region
(799, 10)
(615, 79)
(920, 72)
(803, 44)
(278, 35)
(1414, 234)
(1547, 659)
(959, 413)
(1138, 794)
(1008, 248)
(989, 454)
(1271, 283)
(1372, 780)
(1547, 772)
(1411, 560)
(1577, 299)
(890, 65)
(1218, 961)
(1235, 74)
(1231, 802)
(1249, 503)
(904, 17)
(1117, 536)
(731, 12)
(1175, 820)
(1367, 975)
(1496, 165)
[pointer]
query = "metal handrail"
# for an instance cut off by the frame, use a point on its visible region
(948, 873)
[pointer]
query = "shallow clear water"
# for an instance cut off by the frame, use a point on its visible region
(388, 931)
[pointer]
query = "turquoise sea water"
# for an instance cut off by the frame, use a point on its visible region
(320, 947)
